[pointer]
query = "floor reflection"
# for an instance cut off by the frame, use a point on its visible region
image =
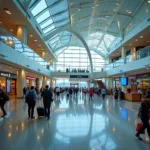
(76, 124)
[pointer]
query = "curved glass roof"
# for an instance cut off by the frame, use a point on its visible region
(100, 23)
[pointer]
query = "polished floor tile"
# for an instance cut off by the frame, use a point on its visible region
(75, 124)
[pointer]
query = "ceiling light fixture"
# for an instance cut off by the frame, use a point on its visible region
(148, 1)
(35, 40)
(136, 40)
(7, 11)
(141, 37)
(11, 30)
(31, 35)
(0, 22)
(130, 44)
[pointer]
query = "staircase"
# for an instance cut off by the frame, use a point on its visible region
(102, 85)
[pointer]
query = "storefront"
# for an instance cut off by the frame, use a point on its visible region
(30, 81)
(144, 81)
(8, 82)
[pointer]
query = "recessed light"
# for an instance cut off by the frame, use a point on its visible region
(11, 30)
(148, 1)
(136, 40)
(40, 45)
(141, 37)
(31, 35)
(35, 40)
(130, 44)
(7, 11)
(0, 22)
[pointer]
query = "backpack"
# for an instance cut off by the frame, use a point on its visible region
(30, 97)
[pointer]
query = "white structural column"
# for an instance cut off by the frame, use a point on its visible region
(51, 83)
(134, 54)
(124, 88)
(88, 84)
(39, 82)
(22, 34)
(21, 82)
(123, 54)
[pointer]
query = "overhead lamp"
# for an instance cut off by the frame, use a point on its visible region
(31, 35)
(136, 40)
(7, 11)
(35, 40)
(39, 45)
(148, 1)
(141, 37)
(11, 30)
(0, 22)
(130, 44)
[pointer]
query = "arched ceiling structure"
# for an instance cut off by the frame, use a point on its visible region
(97, 23)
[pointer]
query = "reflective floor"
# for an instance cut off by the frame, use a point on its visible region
(75, 124)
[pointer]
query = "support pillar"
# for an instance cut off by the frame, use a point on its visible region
(51, 83)
(22, 34)
(21, 82)
(134, 54)
(39, 82)
(123, 54)
(43, 82)
(124, 88)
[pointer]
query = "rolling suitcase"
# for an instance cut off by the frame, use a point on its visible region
(40, 111)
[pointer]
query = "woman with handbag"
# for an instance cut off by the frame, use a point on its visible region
(144, 115)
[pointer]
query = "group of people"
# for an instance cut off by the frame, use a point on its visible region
(77, 70)
(31, 97)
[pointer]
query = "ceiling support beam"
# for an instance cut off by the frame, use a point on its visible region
(77, 35)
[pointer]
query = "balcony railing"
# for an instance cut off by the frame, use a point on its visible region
(10, 39)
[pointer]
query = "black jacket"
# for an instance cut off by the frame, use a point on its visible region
(47, 96)
(144, 109)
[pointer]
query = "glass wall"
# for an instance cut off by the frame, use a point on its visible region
(77, 58)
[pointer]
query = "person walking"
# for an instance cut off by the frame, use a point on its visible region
(144, 116)
(31, 98)
(91, 92)
(140, 93)
(103, 93)
(3, 99)
(116, 93)
(47, 99)
(24, 91)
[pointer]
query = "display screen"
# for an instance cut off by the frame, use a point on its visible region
(124, 81)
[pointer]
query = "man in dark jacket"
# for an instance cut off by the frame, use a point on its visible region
(143, 114)
(47, 99)
(2, 102)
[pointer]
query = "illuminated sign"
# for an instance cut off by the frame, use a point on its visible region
(79, 76)
(8, 75)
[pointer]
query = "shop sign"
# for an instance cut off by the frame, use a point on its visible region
(79, 76)
(146, 75)
(8, 75)
(31, 78)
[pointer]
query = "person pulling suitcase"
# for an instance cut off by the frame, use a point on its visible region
(47, 99)
(30, 99)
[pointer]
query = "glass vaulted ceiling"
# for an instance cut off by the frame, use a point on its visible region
(51, 15)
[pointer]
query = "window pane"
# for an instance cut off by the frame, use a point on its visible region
(39, 7)
(43, 17)
(50, 21)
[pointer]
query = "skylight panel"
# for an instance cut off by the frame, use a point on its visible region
(49, 29)
(54, 40)
(50, 21)
(39, 7)
(43, 16)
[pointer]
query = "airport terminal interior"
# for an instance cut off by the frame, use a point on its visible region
(94, 55)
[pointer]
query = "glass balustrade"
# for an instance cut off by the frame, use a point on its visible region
(10, 39)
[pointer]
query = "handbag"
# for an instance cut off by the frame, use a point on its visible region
(139, 126)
